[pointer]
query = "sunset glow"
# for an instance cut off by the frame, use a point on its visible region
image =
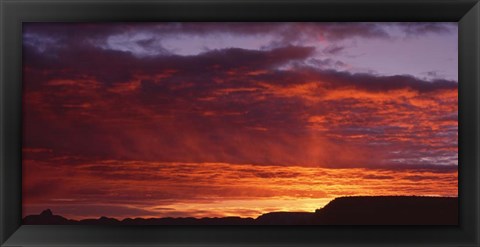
(229, 119)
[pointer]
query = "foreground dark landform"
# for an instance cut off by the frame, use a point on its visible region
(355, 210)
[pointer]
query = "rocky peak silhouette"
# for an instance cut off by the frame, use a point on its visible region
(46, 212)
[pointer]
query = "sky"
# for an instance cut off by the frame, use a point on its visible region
(235, 119)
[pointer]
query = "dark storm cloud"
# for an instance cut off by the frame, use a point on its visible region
(149, 36)
(385, 83)
(97, 32)
(115, 66)
(361, 81)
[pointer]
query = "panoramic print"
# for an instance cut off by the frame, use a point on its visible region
(240, 123)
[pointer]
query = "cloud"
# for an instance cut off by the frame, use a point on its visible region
(291, 31)
(378, 177)
(235, 105)
(333, 49)
(362, 81)
(237, 189)
(418, 29)
(149, 39)
(115, 66)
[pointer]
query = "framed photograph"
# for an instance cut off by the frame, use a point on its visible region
(239, 123)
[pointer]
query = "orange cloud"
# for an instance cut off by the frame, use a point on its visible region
(219, 189)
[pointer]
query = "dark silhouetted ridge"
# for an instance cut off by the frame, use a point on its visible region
(285, 218)
(389, 210)
(47, 218)
(355, 210)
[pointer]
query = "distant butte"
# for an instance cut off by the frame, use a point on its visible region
(356, 210)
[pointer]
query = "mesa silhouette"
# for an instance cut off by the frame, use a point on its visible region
(355, 210)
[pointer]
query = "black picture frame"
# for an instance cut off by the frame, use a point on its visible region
(14, 12)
